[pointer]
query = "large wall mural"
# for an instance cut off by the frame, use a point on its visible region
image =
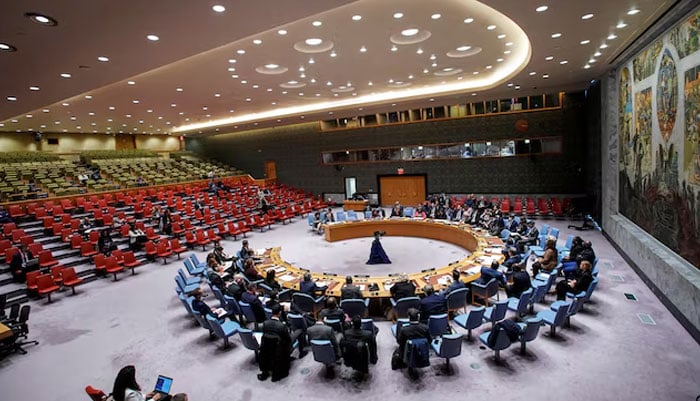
(659, 136)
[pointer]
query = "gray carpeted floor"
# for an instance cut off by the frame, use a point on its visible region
(607, 354)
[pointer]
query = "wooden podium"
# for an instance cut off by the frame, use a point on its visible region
(357, 206)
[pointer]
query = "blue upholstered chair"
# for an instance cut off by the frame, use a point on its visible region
(538, 292)
(470, 321)
(355, 307)
(448, 346)
(589, 291)
(529, 329)
(439, 325)
(340, 216)
(457, 299)
(395, 327)
(519, 305)
(502, 342)
(324, 353)
(192, 268)
(196, 262)
(249, 340)
(306, 303)
(554, 317)
(574, 307)
(497, 312)
(567, 246)
(416, 355)
(223, 330)
(351, 215)
(485, 291)
(183, 287)
(402, 306)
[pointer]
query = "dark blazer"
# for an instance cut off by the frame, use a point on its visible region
(200, 306)
(514, 260)
(455, 285)
(275, 349)
(350, 291)
(323, 332)
(411, 331)
(310, 287)
(432, 305)
(521, 283)
(353, 334)
(235, 290)
(583, 281)
(255, 305)
(403, 289)
(487, 273)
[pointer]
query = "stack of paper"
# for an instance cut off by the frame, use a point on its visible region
(287, 278)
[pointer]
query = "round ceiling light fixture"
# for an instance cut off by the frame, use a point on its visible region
(313, 45)
(410, 36)
(218, 8)
(292, 85)
(41, 19)
(271, 69)
(464, 51)
(5, 47)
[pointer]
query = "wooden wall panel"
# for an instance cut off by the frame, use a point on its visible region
(408, 190)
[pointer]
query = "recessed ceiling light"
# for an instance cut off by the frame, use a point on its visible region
(131, 82)
(436, 16)
(248, 99)
(232, 61)
(317, 23)
(103, 59)
(509, 43)
(282, 32)
(231, 69)
(11, 98)
(597, 54)
(549, 58)
(501, 36)
(256, 86)
(65, 104)
(432, 57)
(88, 97)
(488, 67)
(556, 35)
(217, 95)
(612, 36)
(587, 16)
(591, 61)
(419, 51)
(621, 25)
(243, 81)
(218, 8)
(313, 41)
(369, 83)
(257, 41)
(499, 60)
(65, 75)
(587, 66)
(45, 110)
(507, 52)
(510, 85)
(533, 73)
(92, 113)
(179, 89)
(173, 105)
(545, 76)
(563, 62)
(463, 48)
(604, 46)
(33, 88)
(41, 19)
(7, 48)
(491, 27)
(633, 11)
(240, 51)
(112, 107)
(394, 48)
(152, 37)
(333, 53)
(434, 65)
(409, 32)
(356, 17)
(585, 42)
(311, 60)
(541, 9)
(398, 15)
(468, 20)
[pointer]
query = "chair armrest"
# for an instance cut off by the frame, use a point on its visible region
(479, 285)
(319, 299)
(393, 303)
(366, 301)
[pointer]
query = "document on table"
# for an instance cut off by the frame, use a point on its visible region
(287, 278)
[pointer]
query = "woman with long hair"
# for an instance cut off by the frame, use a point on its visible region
(127, 389)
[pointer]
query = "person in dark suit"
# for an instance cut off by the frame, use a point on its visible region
(350, 290)
(431, 304)
(275, 349)
(456, 283)
(237, 287)
(320, 331)
(581, 282)
(356, 334)
(251, 298)
(414, 329)
(530, 238)
(521, 282)
(308, 286)
(403, 288)
(18, 263)
(513, 258)
(245, 251)
(397, 210)
(487, 273)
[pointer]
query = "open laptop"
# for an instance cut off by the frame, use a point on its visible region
(163, 385)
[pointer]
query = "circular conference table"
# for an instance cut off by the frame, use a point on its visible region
(484, 249)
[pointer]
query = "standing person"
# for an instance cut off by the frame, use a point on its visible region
(275, 348)
(127, 389)
(377, 254)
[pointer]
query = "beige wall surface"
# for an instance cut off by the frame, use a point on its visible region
(72, 143)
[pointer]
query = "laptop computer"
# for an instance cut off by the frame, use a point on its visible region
(163, 385)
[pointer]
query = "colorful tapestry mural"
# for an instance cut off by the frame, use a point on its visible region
(659, 159)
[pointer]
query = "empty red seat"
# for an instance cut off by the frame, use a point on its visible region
(46, 285)
(176, 247)
(56, 275)
(31, 280)
(70, 279)
(87, 250)
(163, 251)
(151, 250)
(46, 259)
(112, 267)
(130, 261)
(202, 239)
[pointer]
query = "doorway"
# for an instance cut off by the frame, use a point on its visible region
(350, 187)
